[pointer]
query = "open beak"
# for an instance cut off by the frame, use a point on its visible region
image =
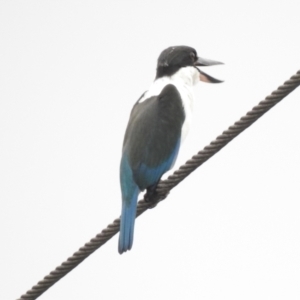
(202, 62)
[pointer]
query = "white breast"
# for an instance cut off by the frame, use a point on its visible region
(183, 80)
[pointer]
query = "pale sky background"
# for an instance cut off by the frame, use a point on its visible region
(70, 71)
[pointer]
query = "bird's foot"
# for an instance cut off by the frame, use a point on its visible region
(153, 197)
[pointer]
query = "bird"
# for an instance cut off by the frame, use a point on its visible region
(158, 124)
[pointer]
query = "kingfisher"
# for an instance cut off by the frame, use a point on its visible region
(158, 124)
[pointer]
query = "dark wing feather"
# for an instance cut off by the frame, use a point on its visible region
(153, 135)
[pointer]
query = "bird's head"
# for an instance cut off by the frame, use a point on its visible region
(174, 58)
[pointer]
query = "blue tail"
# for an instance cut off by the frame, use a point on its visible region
(130, 192)
(127, 223)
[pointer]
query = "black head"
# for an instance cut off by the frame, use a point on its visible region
(176, 57)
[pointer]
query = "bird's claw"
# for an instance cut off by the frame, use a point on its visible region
(152, 197)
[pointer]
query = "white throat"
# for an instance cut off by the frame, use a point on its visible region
(184, 80)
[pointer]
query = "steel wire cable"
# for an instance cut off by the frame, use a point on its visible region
(165, 186)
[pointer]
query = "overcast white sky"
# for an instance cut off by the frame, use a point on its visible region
(70, 72)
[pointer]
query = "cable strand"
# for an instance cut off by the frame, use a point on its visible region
(164, 186)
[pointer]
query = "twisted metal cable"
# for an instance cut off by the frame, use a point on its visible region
(166, 185)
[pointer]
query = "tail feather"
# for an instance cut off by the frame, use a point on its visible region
(127, 222)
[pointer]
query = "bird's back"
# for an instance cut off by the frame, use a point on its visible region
(153, 136)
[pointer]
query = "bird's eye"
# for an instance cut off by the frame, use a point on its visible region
(193, 56)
